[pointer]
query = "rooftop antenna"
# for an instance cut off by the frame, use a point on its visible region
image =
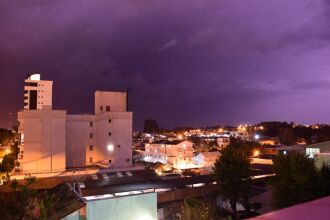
(10, 121)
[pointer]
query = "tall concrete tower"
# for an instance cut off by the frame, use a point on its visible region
(37, 93)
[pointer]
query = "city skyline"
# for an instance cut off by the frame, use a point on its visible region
(206, 63)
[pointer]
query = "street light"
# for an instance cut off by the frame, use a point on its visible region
(256, 153)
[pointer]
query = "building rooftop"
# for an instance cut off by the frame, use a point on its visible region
(321, 145)
(317, 209)
(167, 142)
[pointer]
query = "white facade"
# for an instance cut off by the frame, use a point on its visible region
(37, 93)
(42, 147)
(105, 137)
(178, 154)
(206, 159)
(51, 140)
(104, 207)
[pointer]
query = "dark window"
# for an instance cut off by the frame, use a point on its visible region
(91, 159)
(91, 147)
(118, 145)
(109, 120)
(26, 91)
(110, 161)
(33, 100)
(107, 108)
(127, 160)
(91, 124)
(101, 108)
(109, 133)
(32, 84)
(90, 135)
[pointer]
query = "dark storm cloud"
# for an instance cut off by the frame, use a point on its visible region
(186, 62)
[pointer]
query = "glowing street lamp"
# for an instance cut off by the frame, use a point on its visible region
(257, 136)
(256, 153)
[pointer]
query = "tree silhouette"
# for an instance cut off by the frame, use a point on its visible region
(232, 172)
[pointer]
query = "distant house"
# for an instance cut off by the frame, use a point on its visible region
(320, 151)
(206, 159)
(313, 149)
(177, 153)
(269, 141)
(285, 149)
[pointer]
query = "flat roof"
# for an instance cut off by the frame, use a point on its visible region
(317, 209)
(319, 145)
(117, 182)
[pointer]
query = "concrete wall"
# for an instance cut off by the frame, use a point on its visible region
(116, 147)
(44, 140)
(79, 141)
(116, 100)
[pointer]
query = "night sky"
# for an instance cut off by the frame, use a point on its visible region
(186, 62)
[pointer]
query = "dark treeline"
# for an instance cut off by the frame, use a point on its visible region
(289, 134)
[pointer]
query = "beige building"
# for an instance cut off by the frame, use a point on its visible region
(42, 145)
(52, 141)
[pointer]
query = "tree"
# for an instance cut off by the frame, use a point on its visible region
(288, 136)
(324, 180)
(295, 180)
(6, 136)
(24, 202)
(193, 209)
(150, 126)
(232, 172)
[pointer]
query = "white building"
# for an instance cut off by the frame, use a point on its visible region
(105, 136)
(206, 159)
(37, 93)
(177, 153)
(42, 145)
(53, 141)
